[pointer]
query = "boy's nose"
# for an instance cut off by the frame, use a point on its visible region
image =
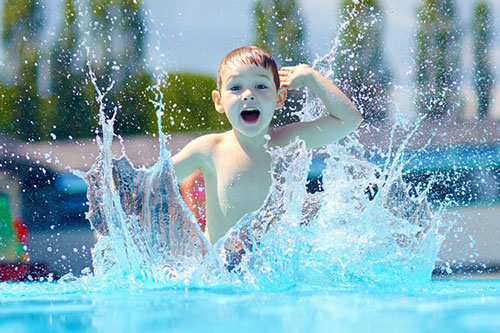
(248, 95)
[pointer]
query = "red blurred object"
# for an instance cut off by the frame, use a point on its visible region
(193, 193)
(22, 270)
(16, 272)
(13, 272)
(21, 230)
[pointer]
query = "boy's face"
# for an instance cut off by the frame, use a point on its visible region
(248, 97)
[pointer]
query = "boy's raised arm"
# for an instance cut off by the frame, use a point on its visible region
(344, 116)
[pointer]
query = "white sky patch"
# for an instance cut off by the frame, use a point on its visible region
(321, 18)
(495, 107)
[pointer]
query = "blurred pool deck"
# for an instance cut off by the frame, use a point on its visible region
(80, 154)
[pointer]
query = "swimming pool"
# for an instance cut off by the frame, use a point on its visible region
(336, 260)
(437, 306)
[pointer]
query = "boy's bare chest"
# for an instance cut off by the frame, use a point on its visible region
(243, 182)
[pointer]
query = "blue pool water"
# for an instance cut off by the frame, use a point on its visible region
(447, 306)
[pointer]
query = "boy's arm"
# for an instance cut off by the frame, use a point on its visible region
(343, 119)
(192, 157)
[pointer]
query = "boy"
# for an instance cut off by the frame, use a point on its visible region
(235, 164)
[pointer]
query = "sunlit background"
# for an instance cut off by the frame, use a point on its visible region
(399, 61)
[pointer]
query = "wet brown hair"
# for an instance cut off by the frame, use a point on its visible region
(248, 55)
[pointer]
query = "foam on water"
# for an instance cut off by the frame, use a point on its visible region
(338, 236)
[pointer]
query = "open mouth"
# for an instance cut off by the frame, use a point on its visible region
(250, 115)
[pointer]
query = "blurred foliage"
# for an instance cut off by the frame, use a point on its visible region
(111, 37)
(135, 113)
(361, 70)
(187, 100)
(22, 21)
(67, 81)
(15, 12)
(189, 105)
(119, 58)
(483, 71)
(118, 35)
(133, 31)
(99, 7)
(7, 98)
(279, 29)
(437, 58)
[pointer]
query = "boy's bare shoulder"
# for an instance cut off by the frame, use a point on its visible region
(205, 143)
(203, 147)
(196, 154)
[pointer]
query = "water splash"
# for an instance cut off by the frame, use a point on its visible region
(338, 236)
(144, 229)
(367, 225)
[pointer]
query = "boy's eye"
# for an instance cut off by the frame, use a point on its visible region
(235, 88)
(261, 86)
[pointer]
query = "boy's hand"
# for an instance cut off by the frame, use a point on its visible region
(296, 76)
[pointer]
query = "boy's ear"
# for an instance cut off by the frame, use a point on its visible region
(217, 103)
(281, 98)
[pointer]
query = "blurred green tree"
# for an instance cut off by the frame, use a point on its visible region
(279, 29)
(7, 98)
(133, 34)
(104, 26)
(437, 58)
(119, 34)
(22, 21)
(67, 81)
(360, 66)
(135, 112)
(189, 106)
(483, 72)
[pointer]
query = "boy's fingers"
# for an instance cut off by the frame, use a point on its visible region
(285, 69)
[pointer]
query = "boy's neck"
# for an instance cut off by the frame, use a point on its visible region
(251, 143)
